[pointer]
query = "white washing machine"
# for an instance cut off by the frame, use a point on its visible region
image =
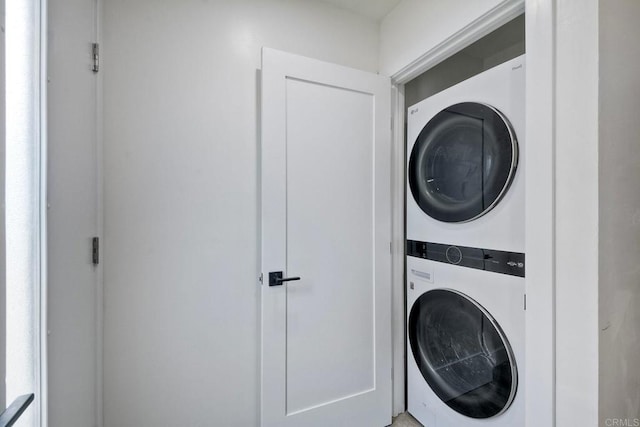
(465, 349)
(465, 252)
(465, 165)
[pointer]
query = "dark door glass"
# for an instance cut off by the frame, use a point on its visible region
(463, 162)
(462, 354)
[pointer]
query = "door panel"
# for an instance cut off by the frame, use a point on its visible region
(326, 343)
(329, 244)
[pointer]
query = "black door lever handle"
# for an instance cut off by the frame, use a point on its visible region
(288, 279)
(276, 279)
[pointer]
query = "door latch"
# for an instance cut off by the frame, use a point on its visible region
(276, 279)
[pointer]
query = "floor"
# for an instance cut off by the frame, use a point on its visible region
(405, 420)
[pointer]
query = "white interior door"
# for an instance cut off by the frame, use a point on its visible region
(326, 207)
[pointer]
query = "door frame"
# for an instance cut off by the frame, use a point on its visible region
(540, 205)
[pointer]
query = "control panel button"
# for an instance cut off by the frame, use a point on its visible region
(454, 255)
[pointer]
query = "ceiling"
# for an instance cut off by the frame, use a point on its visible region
(375, 9)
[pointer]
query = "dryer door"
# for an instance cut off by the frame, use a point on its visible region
(463, 162)
(462, 353)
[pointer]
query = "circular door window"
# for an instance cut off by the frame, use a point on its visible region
(463, 162)
(462, 353)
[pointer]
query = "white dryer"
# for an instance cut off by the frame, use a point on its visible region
(465, 349)
(465, 164)
(465, 252)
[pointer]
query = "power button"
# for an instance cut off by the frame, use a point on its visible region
(454, 255)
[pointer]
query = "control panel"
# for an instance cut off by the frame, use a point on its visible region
(511, 263)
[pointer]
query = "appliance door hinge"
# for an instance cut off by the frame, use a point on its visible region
(95, 53)
(525, 302)
(95, 251)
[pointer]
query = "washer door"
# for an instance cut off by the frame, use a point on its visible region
(463, 162)
(462, 353)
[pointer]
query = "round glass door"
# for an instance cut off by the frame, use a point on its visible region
(462, 353)
(463, 162)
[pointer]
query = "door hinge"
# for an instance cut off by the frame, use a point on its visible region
(525, 302)
(95, 251)
(95, 53)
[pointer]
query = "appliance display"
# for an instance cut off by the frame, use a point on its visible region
(482, 259)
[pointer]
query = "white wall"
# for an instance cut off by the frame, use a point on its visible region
(597, 213)
(72, 215)
(619, 211)
(181, 197)
(576, 223)
(416, 26)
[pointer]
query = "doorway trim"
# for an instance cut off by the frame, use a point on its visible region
(472, 32)
(25, 211)
(540, 207)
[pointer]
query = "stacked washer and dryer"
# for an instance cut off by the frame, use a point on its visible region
(465, 252)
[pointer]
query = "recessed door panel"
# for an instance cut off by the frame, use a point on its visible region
(330, 312)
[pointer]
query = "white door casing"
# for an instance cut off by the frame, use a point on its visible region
(326, 217)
